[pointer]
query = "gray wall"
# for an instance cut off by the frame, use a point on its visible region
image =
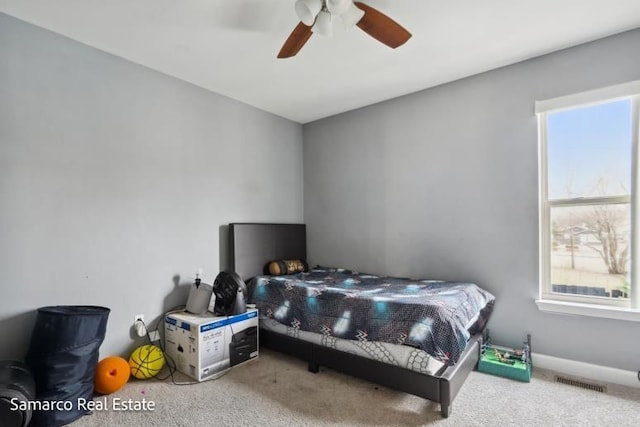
(443, 184)
(115, 181)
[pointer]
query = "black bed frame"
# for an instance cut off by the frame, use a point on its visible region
(253, 245)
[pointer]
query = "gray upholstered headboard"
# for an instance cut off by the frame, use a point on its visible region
(253, 245)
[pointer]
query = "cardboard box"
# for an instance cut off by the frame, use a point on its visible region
(204, 345)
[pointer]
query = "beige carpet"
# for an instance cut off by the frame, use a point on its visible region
(276, 390)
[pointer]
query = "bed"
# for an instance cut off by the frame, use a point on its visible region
(417, 337)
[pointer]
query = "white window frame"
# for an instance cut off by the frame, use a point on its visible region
(575, 304)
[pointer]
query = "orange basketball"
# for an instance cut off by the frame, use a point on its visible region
(111, 374)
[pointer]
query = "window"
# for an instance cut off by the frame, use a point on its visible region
(588, 146)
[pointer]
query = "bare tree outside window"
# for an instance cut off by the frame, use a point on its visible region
(591, 241)
(606, 223)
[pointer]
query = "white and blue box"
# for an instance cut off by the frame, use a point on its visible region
(202, 346)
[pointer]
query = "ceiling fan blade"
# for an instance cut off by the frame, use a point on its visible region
(381, 27)
(295, 41)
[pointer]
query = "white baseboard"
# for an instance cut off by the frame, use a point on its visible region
(586, 370)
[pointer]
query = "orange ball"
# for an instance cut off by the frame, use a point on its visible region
(111, 374)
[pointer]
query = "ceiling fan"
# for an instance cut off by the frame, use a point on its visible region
(316, 16)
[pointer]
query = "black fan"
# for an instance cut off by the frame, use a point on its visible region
(229, 287)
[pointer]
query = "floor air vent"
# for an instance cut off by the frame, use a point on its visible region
(582, 384)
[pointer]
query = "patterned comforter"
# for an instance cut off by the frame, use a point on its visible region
(435, 316)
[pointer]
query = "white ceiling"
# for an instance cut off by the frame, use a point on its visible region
(230, 46)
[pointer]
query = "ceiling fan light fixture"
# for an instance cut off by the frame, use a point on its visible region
(323, 24)
(307, 10)
(351, 16)
(338, 7)
(313, 20)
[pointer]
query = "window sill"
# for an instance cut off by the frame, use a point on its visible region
(591, 310)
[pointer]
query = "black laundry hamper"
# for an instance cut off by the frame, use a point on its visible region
(17, 389)
(62, 356)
